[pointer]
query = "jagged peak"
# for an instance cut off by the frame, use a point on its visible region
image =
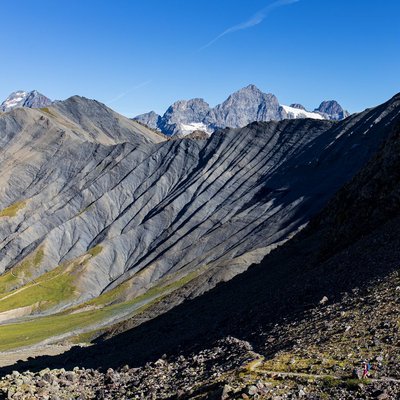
(332, 110)
(298, 106)
(249, 89)
(22, 98)
(190, 102)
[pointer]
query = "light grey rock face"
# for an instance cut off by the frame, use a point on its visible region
(332, 110)
(184, 112)
(246, 105)
(87, 176)
(150, 119)
(20, 98)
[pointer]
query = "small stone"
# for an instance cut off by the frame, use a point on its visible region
(225, 392)
(252, 390)
(380, 395)
(125, 368)
(324, 300)
(70, 376)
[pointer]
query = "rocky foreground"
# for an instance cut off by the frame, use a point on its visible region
(316, 357)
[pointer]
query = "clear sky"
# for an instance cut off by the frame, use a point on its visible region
(137, 56)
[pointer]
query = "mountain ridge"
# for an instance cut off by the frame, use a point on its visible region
(239, 109)
(306, 318)
(112, 216)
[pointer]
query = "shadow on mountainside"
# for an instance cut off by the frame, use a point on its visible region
(353, 241)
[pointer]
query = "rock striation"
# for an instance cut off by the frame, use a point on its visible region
(96, 206)
(307, 317)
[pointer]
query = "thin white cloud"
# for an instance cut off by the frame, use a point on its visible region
(123, 94)
(256, 19)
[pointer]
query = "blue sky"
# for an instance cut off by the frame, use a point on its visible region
(136, 56)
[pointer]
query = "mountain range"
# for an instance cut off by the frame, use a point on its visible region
(112, 233)
(102, 217)
(238, 110)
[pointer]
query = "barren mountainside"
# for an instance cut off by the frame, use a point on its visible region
(294, 326)
(101, 217)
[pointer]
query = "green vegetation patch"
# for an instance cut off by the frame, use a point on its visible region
(330, 382)
(22, 272)
(158, 290)
(354, 384)
(47, 111)
(96, 250)
(30, 332)
(12, 210)
(18, 289)
(56, 286)
(49, 290)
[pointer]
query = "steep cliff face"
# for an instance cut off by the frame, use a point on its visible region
(94, 204)
(244, 106)
(331, 109)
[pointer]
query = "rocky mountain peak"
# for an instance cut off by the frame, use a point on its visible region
(248, 89)
(21, 98)
(150, 119)
(189, 104)
(245, 106)
(298, 106)
(250, 92)
(242, 107)
(332, 110)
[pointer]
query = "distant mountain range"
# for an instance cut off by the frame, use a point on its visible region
(239, 109)
(20, 98)
(247, 105)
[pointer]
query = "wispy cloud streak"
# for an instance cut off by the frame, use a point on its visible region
(256, 19)
(123, 94)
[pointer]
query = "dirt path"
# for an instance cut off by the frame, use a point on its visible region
(321, 376)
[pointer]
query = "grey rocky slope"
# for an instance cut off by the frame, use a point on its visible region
(247, 105)
(20, 98)
(97, 200)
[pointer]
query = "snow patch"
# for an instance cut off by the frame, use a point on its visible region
(298, 113)
(14, 100)
(194, 126)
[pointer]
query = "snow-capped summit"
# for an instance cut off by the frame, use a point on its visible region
(21, 98)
